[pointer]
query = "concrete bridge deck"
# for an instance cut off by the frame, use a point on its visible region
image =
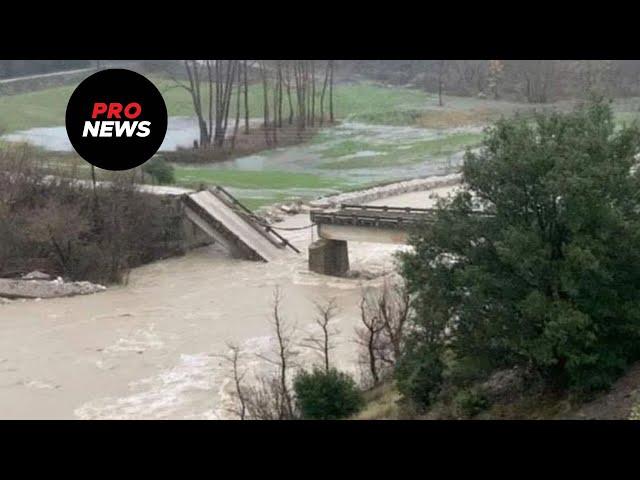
(229, 223)
(362, 223)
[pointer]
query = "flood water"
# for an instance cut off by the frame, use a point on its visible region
(181, 132)
(152, 349)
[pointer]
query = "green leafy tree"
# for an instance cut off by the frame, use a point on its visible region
(537, 263)
(326, 394)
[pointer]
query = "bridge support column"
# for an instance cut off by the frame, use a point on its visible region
(329, 257)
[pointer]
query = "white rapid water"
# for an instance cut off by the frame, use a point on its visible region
(152, 349)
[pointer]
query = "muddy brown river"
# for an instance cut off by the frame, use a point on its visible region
(151, 349)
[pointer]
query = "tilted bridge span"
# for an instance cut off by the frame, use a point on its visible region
(229, 223)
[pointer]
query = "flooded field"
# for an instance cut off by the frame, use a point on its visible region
(181, 132)
(348, 156)
(152, 349)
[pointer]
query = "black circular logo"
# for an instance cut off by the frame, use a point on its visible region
(116, 119)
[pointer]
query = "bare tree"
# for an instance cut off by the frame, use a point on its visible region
(282, 358)
(240, 392)
(237, 124)
(393, 305)
(291, 113)
(538, 79)
(331, 69)
(323, 343)
(382, 332)
(496, 73)
(313, 92)
(442, 65)
(246, 99)
(193, 74)
(323, 92)
(266, 127)
(266, 401)
(368, 337)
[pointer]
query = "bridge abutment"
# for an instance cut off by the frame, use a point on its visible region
(329, 257)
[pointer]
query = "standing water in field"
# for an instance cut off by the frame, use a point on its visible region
(347, 156)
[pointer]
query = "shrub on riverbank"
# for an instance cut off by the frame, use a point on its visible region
(326, 395)
(67, 228)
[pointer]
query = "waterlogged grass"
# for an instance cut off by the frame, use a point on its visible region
(350, 147)
(390, 155)
(255, 179)
(370, 103)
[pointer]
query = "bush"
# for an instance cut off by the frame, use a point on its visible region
(326, 395)
(419, 374)
(635, 412)
(468, 403)
(548, 277)
(161, 171)
(61, 227)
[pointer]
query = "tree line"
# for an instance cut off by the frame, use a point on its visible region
(22, 68)
(296, 94)
(533, 81)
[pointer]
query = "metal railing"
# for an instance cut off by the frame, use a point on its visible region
(254, 220)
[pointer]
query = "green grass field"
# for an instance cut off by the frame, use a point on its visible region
(266, 187)
(190, 176)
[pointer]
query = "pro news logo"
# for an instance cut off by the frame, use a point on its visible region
(116, 119)
(116, 128)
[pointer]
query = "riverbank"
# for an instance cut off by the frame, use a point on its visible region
(152, 349)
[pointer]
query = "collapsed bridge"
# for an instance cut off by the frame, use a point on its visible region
(229, 223)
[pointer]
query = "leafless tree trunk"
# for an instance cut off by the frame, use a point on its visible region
(289, 94)
(276, 101)
(383, 322)
(283, 351)
(300, 78)
(368, 337)
(313, 92)
(280, 93)
(194, 90)
(237, 124)
(211, 82)
(284, 355)
(95, 190)
(233, 358)
(331, 117)
(441, 73)
(263, 73)
(393, 306)
(246, 100)
(323, 343)
(324, 90)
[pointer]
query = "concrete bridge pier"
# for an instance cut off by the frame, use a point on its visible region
(329, 257)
